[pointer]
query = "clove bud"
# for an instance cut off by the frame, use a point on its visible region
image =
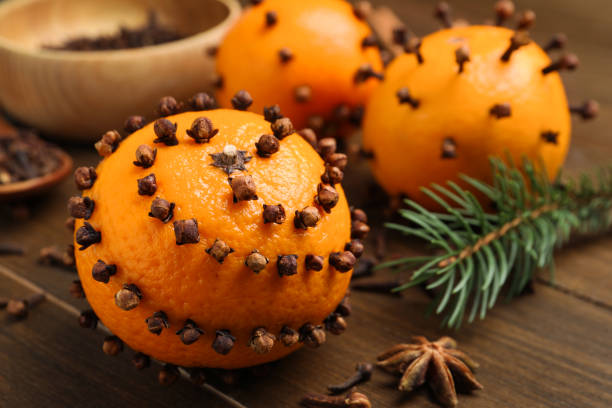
(404, 96)
(289, 337)
(442, 13)
(165, 132)
(518, 40)
(356, 247)
(88, 319)
(333, 175)
(186, 231)
(202, 101)
(102, 272)
(449, 148)
(568, 62)
(342, 261)
(157, 322)
(363, 373)
(168, 375)
(282, 128)
(242, 100)
(134, 123)
(190, 332)
(243, 188)
(145, 156)
(202, 130)
(311, 335)
(84, 177)
(310, 136)
(285, 55)
(223, 342)
(128, 297)
(141, 361)
(256, 261)
(80, 207)
(314, 262)
(302, 93)
(335, 324)
(327, 197)
(108, 143)
(168, 106)
(287, 265)
(162, 209)
(501, 110)
(588, 110)
(273, 213)
(112, 345)
(462, 55)
(267, 145)
(219, 250)
(308, 217)
(504, 9)
(87, 235)
(147, 185)
(272, 113)
(262, 341)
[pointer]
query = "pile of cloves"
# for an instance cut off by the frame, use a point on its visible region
(24, 156)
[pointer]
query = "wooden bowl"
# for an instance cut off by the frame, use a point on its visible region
(38, 185)
(76, 95)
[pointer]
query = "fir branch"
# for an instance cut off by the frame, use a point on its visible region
(477, 253)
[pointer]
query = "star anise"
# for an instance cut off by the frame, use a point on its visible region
(231, 159)
(439, 363)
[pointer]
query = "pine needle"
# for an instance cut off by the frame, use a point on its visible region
(477, 253)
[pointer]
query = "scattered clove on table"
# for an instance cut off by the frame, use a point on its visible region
(363, 373)
(19, 308)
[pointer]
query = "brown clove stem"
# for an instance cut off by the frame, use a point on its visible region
(568, 62)
(518, 40)
(442, 13)
(557, 42)
(504, 9)
(462, 55)
(363, 373)
(588, 110)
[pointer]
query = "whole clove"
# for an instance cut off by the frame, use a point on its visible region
(363, 373)
(19, 308)
(202, 130)
(242, 100)
(145, 156)
(202, 101)
(168, 375)
(588, 110)
(134, 123)
(88, 319)
(168, 105)
(568, 62)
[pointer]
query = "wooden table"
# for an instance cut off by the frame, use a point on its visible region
(549, 348)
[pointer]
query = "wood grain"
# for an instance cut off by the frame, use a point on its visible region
(551, 348)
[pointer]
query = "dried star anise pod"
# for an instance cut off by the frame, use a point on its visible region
(439, 363)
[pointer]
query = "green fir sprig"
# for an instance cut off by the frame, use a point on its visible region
(478, 251)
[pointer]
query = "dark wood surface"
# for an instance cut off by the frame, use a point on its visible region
(549, 348)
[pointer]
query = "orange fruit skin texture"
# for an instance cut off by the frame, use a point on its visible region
(407, 142)
(325, 39)
(187, 283)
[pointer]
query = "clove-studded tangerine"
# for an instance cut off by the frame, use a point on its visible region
(309, 57)
(233, 254)
(478, 91)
